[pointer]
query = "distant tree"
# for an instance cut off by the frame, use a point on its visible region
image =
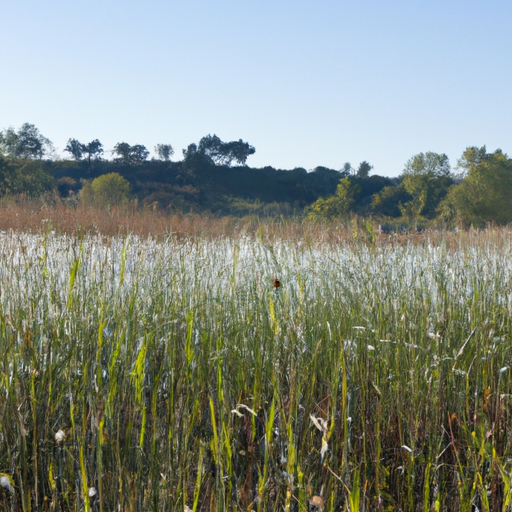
(32, 179)
(212, 147)
(191, 150)
(338, 205)
(485, 194)
(109, 189)
(223, 153)
(6, 171)
(139, 153)
(130, 155)
(122, 150)
(93, 152)
(471, 158)
(164, 151)
(426, 177)
(27, 143)
(347, 169)
(429, 164)
(363, 170)
(387, 202)
(75, 148)
(239, 151)
(24, 176)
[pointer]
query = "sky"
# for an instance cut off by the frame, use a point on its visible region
(306, 82)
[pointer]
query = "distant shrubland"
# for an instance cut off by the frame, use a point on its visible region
(213, 178)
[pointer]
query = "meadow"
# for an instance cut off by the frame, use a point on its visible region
(169, 373)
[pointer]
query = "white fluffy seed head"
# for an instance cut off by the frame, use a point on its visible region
(60, 435)
(5, 482)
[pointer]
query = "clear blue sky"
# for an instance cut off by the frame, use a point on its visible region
(316, 82)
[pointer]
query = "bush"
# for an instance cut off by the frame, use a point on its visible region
(108, 189)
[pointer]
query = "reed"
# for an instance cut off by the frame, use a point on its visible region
(170, 373)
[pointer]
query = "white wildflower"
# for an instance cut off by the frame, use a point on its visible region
(92, 492)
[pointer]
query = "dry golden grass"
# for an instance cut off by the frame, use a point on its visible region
(54, 214)
(62, 217)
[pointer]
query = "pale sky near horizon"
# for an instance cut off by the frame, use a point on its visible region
(306, 82)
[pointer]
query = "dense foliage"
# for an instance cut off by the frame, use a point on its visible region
(427, 192)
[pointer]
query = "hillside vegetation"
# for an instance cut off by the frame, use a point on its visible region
(213, 178)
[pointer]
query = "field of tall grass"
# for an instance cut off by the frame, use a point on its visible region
(142, 374)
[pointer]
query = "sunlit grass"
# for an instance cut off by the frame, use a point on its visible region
(157, 375)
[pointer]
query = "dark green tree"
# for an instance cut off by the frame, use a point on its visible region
(164, 151)
(75, 148)
(191, 150)
(363, 171)
(130, 155)
(27, 143)
(387, 202)
(122, 150)
(223, 153)
(24, 176)
(239, 151)
(93, 151)
(347, 169)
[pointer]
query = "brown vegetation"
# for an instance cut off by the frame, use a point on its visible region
(51, 213)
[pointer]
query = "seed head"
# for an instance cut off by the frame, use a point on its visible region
(6, 482)
(60, 436)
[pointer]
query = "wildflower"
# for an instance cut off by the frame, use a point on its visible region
(275, 282)
(6, 482)
(60, 436)
(92, 492)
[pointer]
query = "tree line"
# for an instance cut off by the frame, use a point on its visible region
(29, 143)
(428, 191)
